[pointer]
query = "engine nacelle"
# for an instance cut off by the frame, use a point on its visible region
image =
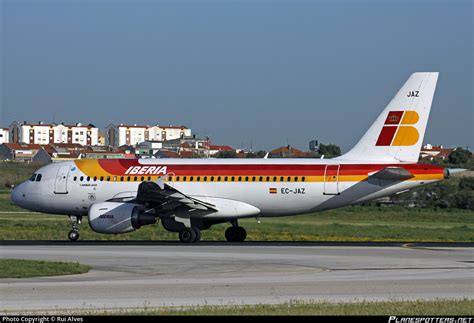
(115, 217)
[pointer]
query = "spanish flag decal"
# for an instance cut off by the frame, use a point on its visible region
(273, 190)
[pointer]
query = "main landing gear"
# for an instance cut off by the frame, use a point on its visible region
(74, 233)
(235, 233)
(190, 235)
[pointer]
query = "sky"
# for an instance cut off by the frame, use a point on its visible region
(260, 74)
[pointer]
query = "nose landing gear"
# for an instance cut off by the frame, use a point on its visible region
(235, 233)
(74, 233)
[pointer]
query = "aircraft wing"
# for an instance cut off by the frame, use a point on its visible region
(392, 173)
(169, 197)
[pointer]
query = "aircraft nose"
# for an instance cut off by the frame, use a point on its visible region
(18, 194)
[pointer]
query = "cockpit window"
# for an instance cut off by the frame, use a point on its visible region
(33, 177)
(38, 177)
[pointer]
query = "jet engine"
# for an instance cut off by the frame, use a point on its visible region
(115, 217)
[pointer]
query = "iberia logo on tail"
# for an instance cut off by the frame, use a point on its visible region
(397, 130)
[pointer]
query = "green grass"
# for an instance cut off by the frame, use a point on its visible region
(408, 308)
(347, 224)
(19, 268)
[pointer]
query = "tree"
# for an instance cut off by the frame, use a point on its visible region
(460, 156)
(258, 154)
(329, 151)
(225, 154)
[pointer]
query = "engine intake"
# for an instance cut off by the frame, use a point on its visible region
(115, 217)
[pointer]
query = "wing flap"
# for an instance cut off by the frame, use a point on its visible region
(169, 197)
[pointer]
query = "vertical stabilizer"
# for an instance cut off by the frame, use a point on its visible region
(397, 133)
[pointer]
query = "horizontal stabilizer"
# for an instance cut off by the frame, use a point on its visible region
(392, 173)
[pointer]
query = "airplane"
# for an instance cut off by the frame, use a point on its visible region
(191, 195)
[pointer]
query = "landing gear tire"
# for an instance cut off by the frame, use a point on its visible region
(241, 234)
(73, 235)
(235, 234)
(198, 235)
(187, 235)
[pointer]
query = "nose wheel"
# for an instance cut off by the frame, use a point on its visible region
(235, 233)
(74, 233)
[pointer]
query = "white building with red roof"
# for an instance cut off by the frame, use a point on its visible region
(430, 152)
(44, 134)
(4, 135)
(122, 134)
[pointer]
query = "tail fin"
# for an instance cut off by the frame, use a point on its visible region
(397, 133)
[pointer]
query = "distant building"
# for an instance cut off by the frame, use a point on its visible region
(24, 153)
(188, 146)
(121, 134)
(214, 149)
(148, 148)
(288, 152)
(44, 134)
(430, 152)
(313, 145)
(101, 152)
(4, 136)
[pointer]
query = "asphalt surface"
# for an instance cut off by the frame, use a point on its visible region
(149, 274)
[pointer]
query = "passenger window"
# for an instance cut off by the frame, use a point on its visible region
(115, 178)
(81, 178)
(149, 178)
(268, 178)
(225, 179)
(184, 178)
(198, 178)
(177, 178)
(212, 178)
(303, 179)
(143, 178)
(135, 178)
(253, 179)
(296, 178)
(121, 178)
(88, 178)
(240, 179)
(205, 179)
(281, 178)
(232, 178)
(75, 178)
(260, 179)
(38, 177)
(128, 178)
(218, 178)
(108, 178)
(274, 178)
(289, 179)
(95, 178)
(191, 178)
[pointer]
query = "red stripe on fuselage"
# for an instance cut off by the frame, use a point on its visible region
(119, 167)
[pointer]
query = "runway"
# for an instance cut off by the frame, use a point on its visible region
(128, 275)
